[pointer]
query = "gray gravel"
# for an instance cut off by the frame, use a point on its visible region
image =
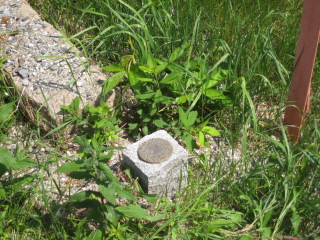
(39, 57)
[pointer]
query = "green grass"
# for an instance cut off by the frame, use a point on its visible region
(270, 190)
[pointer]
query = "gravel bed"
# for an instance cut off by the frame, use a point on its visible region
(43, 64)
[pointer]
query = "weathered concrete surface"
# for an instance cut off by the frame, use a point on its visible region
(164, 178)
(46, 70)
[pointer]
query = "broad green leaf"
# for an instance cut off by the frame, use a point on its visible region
(171, 78)
(164, 100)
(75, 104)
(6, 110)
(134, 211)
(140, 111)
(82, 196)
(146, 120)
(217, 224)
(24, 163)
(202, 139)
(211, 131)
(178, 52)
(7, 158)
(187, 119)
(212, 83)
(95, 235)
(132, 126)
(151, 62)
(114, 68)
(190, 143)
(95, 144)
(227, 103)
(266, 233)
(132, 78)
(146, 69)
(183, 117)
(95, 209)
(214, 94)
(153, 111)
(174, 68)
(295, 220)
(111, 214)
(81, 175)
(145, 96)
(107, 172)
(145, 130)
(216, 78)
(112, 81)
(20, 161)
(182, 100)
(124, 193)
(236, 218)
(108, 192)
(74, 166)
(160, 68)
(158, 94)
(152, 198)
(19, 183)
(160, 123)
(266, 218)
(192, 117)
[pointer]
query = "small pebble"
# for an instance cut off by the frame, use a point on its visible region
(53, 67)
(8, 50)
(24, 18)
(63, 49)
(43, 52)
(7, 12)
(25, 82)
(79, 83)
(60, 70)
(5, 20)
(23, 73)
(56, 40)
(13, 4)
(21, 61)
(2, 9)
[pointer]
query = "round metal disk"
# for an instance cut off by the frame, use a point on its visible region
(155, 150)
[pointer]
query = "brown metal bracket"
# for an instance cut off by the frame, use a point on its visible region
(299, 95)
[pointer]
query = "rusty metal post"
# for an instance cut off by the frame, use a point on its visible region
(306, 52)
